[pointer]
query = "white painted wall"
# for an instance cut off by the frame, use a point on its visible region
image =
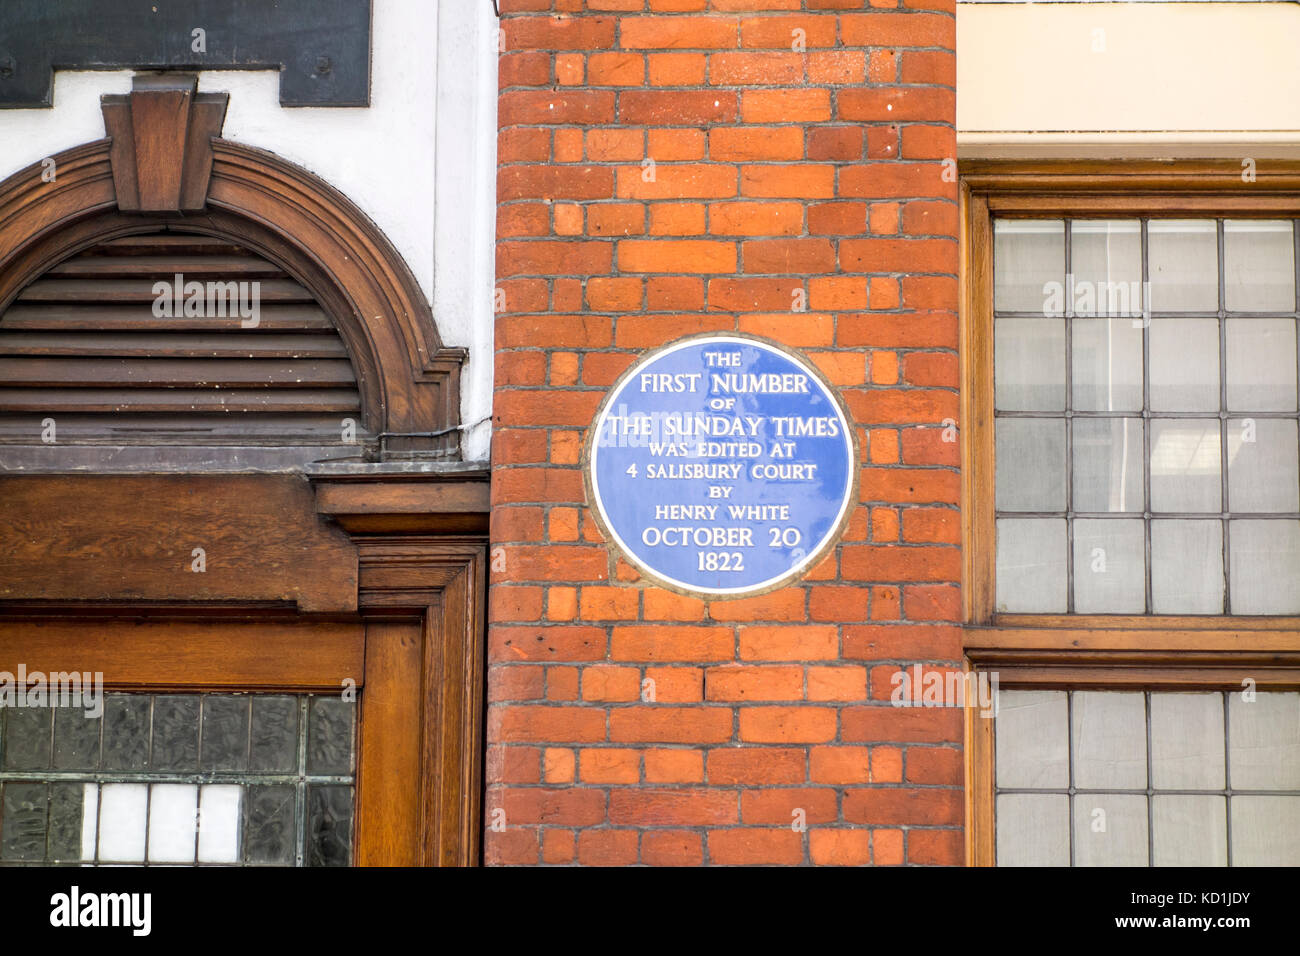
(1149, 79)
(420, 161)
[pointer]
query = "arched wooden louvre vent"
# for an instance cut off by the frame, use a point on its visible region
(98, 346)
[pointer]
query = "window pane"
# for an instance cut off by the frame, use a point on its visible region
(1107, 365)
(1186, 463)
(1032, 742)
(123, 812)
(1262, 465)
(1261, 365)
(1110, 829)
(1189, 830)
(1264, 741)
(1030, 464)
(1187, 741)
(1110, 740)
(1265, 831)
(1031, 565)
(1106, 260)
(1265, 565)
(1109, 566)
(1027, 255)
(1029, 364)
(219, 824)
(1259, 265)
(1033, 829)
(1184, 365)
(1186, 567)
(1183, 260)
(1108, 464)
(173, 823)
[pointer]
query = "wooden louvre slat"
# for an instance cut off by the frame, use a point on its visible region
(85, 341)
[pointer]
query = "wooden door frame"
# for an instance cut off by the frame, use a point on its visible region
(371, 570)
(1117, 652)
(413, 645)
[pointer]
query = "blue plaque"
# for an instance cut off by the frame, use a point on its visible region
(722, 465)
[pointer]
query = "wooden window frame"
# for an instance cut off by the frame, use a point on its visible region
(1079, 651)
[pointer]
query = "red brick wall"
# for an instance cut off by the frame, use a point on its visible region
(797, 145)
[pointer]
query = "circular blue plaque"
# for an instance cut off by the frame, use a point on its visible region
(722, 465)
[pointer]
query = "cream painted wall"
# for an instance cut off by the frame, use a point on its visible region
(1128, 79)
(420, 161)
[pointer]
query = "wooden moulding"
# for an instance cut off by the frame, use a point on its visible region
(408, 380)
(1126, 652)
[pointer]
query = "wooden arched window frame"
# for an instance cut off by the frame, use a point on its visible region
(367, 571)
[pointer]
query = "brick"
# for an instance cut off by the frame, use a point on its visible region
(801, 330)
(748, 682)
(545, 805)
(786, 106)
(765, 69)
(649, 642)
(686, 181)
(615, 219)
(615, 69)
(755, 766)
(612, 145)
(558, 846)
(803, 181)
(751, 846)
(677, 69)
(783, 605)
(660, 605)
(675, 685)
(534, 107)
(936, 847)
(676, 145)
(674, 293)
(611, 683)
(819, 805)
(778, 724)
(607, 847)
(887, 29)
(677, 219)
(512, 847)
(836, 846)
(557, 765)
(675, 107)
(609, 765)
(787, 255)
(941, 765)
(903, 806)
(909, 724)
(778, 32)
(691, 33)
(789, 643)
(543, 723)
(546, 643)
(670, 725)
(838, 683)
(684, 255)
(672, 807)
(558, 33)
(671, 848)
(746, 144)
(674, 766)
(839, 765)
(837, 218)
(561, 683)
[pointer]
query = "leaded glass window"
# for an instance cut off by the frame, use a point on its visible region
(1147, 429)
(188, 779)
